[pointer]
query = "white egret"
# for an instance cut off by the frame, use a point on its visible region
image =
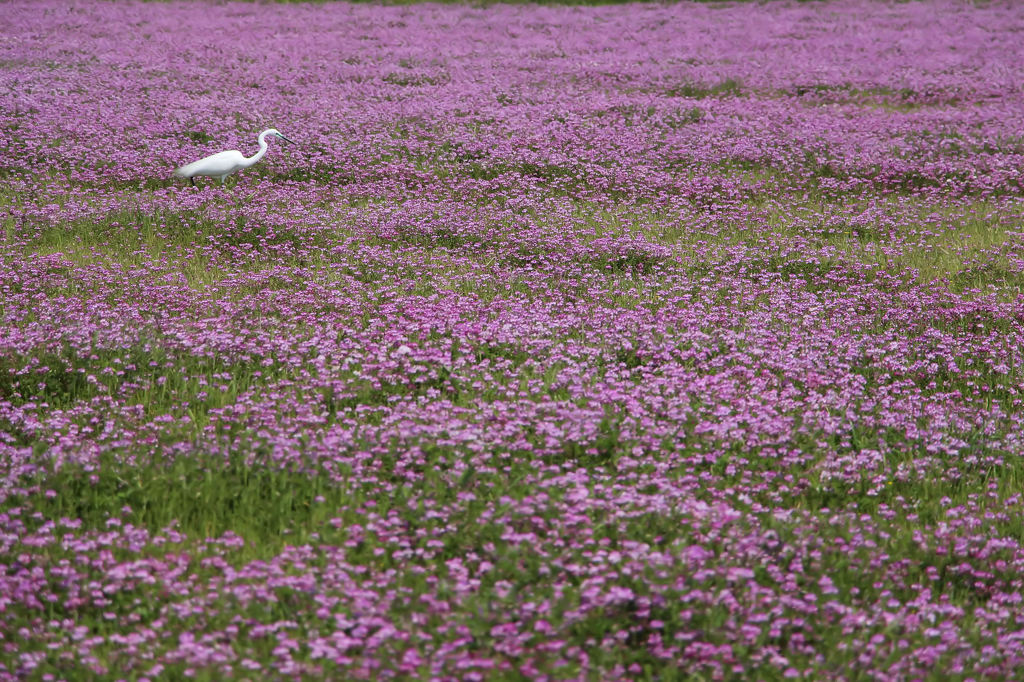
(223, 164)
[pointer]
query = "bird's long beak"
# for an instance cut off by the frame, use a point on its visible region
(285, 138)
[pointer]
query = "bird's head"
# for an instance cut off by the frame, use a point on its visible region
(276, 133)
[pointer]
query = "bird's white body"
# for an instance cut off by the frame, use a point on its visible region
(223, 164)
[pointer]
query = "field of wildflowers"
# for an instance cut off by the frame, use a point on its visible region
(646, 342)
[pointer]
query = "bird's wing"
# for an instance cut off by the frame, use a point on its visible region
(215, 164)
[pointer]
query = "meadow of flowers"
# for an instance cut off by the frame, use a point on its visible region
(629, 342)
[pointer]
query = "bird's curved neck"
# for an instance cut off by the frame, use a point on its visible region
(258, 155)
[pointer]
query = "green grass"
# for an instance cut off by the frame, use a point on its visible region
(723, 88)
(203, 496)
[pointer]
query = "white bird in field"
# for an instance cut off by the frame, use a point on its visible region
(223, 164)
